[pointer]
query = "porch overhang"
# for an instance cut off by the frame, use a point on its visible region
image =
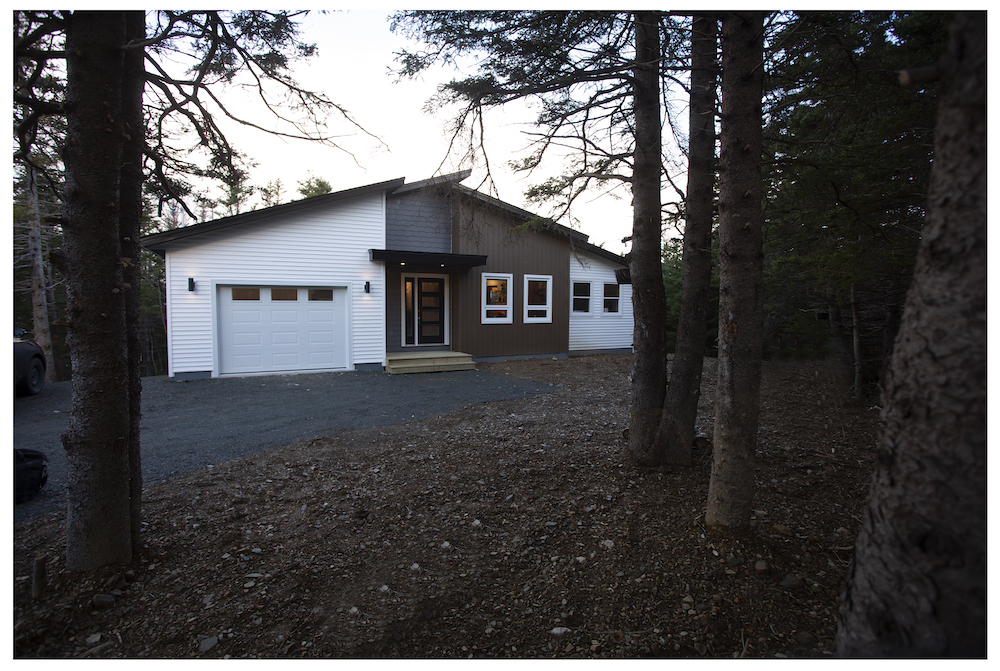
(427, 258)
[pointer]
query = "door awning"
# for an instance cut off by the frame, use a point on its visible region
(427, 258)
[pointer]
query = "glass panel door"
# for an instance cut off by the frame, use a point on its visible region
(408, 283)
(430, 310)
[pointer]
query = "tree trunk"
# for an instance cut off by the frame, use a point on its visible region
(130, 231)
(39, 287)
(680, 409)
(741, 311)
(859, 381)
(649, 370)
(96, 440)
(917, 585)
(890, 327)
(837, 333)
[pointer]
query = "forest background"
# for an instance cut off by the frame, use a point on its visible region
(847, 160)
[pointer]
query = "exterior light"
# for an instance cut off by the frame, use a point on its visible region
(190, 284)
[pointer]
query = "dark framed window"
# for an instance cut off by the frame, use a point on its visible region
(612, 294)
(321, 294)
(581, 296)
(246, 293)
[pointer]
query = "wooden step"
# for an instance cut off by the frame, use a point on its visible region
(427, 362)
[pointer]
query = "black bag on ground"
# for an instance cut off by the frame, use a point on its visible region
(31, 470)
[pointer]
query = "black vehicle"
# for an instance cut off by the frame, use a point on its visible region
(31, 471)
(29, 365)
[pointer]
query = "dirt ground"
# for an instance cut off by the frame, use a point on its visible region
(504, 530)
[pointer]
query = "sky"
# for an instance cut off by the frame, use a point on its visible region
(353, 68)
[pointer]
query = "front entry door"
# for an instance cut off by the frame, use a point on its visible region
(430, 310)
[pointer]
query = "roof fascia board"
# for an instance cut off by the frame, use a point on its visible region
(550, 226)
(434, 181)
(601, 252)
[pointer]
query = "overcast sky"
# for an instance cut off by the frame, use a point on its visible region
(356, 54)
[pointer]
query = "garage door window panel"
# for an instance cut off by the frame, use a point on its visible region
(246, 293)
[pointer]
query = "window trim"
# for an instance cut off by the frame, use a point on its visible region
(508, 306)
(547, 319)
(573, 298)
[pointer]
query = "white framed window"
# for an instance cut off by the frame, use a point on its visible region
(581, 297)
(497, 298)
(612, 296)
(537, 299)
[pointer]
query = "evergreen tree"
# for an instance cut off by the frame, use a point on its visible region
(737, 401)
(314, 186)
(271, 194)
(675, 433)
(917, 583)
(237, 190)
(850, 157)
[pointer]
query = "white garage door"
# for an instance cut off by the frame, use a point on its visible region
(274, 329)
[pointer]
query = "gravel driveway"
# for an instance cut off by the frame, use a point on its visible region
(189, 425)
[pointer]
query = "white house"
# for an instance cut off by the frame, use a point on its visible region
(349, 280)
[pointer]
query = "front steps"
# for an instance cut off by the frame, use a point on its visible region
(427, 362)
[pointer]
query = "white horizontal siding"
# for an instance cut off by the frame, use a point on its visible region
(598, 330)
(317, 247)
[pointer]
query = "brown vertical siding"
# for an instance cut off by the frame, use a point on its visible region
(481, 229)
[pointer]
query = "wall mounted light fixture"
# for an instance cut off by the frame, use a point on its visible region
(190, 284)
(368, 287)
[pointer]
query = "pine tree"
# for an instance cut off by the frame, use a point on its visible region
(917, 583)
(737, 404)
(675, 433)
(849, 161)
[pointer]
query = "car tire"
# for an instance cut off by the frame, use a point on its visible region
(34, 379)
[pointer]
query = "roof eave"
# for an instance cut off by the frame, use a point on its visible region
(158, 242)
(427, 258)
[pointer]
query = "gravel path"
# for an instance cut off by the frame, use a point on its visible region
(189, 425)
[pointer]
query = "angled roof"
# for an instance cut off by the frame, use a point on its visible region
(434, 181)
(604, 254)
(578, 239)
(519, 213)
(156, 242)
